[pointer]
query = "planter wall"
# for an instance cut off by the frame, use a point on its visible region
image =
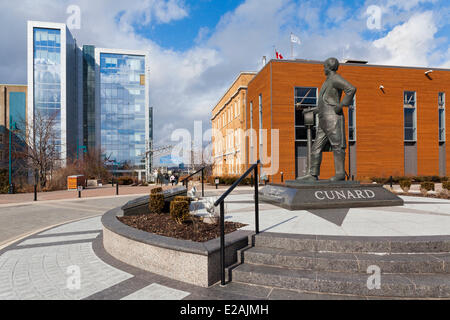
(186, 261)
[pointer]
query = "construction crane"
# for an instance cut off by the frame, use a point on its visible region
(152, 152)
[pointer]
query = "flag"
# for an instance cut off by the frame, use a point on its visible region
(295, 39)
(278, 55)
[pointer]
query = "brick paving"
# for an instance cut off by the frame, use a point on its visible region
(104, 191)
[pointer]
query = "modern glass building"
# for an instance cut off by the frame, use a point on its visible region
(122, 108)
(98, 98)
(12, 120)
(52, 76)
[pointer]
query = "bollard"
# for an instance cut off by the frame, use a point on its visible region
(35, 192)
(391, 182)
(282, 177)
(117, 188)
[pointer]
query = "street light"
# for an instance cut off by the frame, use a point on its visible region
(12, 127)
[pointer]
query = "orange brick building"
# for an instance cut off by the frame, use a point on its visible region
(229, 121)
(397, 122)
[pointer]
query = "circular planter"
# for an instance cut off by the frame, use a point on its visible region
(183, 260)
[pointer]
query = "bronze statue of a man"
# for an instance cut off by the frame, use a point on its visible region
(330, 134)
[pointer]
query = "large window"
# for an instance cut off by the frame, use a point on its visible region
(304, 98)
(352, 121)
(251, 133)
(410, 117)
(123, 108)
(441, 103)
(261, 142)
(47, 77)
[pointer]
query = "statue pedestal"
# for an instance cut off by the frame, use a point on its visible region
(328, 195)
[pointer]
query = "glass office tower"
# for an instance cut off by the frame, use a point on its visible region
(123, 114)
(52, 82)
(47, 77)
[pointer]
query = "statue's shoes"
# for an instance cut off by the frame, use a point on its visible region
(338, 177)
(308, 178)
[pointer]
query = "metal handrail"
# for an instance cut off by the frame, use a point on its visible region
(202, 170)
(221, 202)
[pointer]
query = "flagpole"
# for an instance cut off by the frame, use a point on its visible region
(292, 47)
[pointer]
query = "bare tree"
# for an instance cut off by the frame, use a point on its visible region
(40, 146)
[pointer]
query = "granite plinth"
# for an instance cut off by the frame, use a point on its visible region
(328, 195)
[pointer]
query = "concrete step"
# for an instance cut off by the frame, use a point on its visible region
(257, 292)
(356, 284)
(385, 245)
(349, 262)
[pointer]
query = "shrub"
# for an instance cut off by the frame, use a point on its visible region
(125, 180)
(446, 185)
(428, 185)
(4, 181)
(179, 211)
(156, 190)
(405, 184)
(156, 203)
(380, 180)
(183, 198)
(229, 180)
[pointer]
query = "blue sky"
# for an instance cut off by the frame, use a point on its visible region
(197, 48)
(181, 35)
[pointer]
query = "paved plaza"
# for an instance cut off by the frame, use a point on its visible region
(62, 256)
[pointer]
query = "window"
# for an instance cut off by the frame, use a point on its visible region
(235, 109)
(304, 98)
(441, 103)
(1, 155)
(251, 132)
(352, 121)
(260, 121)
(1, 138)
(410, 117)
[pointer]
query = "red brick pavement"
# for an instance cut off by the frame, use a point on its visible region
(104, 191)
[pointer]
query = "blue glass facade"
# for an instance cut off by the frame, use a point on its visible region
(17, 109)
(122, 108)
(47, 76)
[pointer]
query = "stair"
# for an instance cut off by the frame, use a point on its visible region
(410, 267)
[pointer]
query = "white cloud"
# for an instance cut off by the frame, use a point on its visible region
(407, 4)
(145, 12)
(411, 42)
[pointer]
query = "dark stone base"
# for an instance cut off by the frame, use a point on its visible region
(328, 195)
(140, 205)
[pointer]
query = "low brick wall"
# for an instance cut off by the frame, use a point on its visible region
(187, 261)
